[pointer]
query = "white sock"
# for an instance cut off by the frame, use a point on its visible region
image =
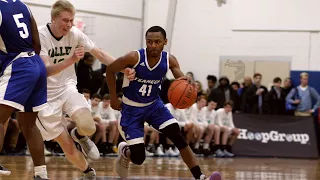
(196, 145)
(205, 145)
(41, 171)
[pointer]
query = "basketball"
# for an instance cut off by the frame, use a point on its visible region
(182, 94)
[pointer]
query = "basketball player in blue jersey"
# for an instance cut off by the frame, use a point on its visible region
(141, 102)
(23, 78)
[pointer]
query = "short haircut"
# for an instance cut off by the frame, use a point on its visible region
(212, 78)
(60, 6)
(230, 103)
(257, 74)
(157, 29)
(277, 80)
(96, 95)
(106, 97)
(85, 91)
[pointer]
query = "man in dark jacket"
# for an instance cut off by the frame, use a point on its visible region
(276, 98)
(256, 96)
(224, 93)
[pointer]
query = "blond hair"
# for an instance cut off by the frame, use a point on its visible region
(60, 6)
(304, 74)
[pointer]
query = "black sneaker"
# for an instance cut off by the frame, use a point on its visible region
(4, 171)
(39, 178)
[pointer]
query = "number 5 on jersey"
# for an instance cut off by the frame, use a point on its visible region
(24, 33)
(144, 88)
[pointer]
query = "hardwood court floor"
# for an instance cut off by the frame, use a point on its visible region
(171, 168)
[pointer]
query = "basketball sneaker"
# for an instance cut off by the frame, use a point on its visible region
(214, 176)
(122, 164)
(91, 175)
(227, 154)
(39, 178)
(4, 171)
(88, 147)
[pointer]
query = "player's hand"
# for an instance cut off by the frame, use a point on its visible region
(78, 53)
(115, 104)
(188, 78)
(130, 73)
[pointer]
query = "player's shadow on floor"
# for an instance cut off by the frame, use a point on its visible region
(138, 177)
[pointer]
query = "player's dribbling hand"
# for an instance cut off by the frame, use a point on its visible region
(188, 78)
(115, 104)
(130, 73)
(78, 53)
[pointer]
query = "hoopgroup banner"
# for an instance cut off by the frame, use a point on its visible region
(275, 136)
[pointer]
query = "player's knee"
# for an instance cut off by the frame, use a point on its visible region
(235, 132)
(85, 122)
(217, 129)
(137, 153)
(172, 131)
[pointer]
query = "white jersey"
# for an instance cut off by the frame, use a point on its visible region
(107, 114)
(59, 50)
(210, 115)
(178, 114)
(224, 119)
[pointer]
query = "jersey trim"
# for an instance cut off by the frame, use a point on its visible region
(58, 39)
(138, 59)
(168, 62)
(0, 17)
(146, 60)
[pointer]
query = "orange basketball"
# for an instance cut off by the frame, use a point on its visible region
(182, 94)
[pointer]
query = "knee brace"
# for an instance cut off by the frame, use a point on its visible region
(173, 133)
(138, 154)
(85, 122)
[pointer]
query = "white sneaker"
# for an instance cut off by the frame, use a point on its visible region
(159, 151)
(176, 150)
(122, 164)
(88, 147)
(4, 171)
(228, 154)
(149, 154)
(171, 153)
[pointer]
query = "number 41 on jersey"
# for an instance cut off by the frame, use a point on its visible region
(144, 89)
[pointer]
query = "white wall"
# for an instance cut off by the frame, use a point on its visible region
(203, 32)
(115, 7)
(115, 25)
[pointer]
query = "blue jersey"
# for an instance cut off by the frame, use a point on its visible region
(15, 30)
(146, 86)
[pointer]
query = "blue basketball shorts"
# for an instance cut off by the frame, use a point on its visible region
(131, 125)
(23, 84)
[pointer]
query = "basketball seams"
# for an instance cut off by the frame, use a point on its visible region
(182, 95)
(172, 92)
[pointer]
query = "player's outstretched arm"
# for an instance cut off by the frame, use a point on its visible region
(35, 36)
(107, 59)
(129, 60)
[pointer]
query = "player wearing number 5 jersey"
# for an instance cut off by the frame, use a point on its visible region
(23, 84)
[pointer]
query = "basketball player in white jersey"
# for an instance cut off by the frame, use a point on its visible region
(59, 41)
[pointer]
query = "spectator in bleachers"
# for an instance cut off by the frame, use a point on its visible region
(211, 80)
(247, 83)
(256, 96)
(186, 125)
(108, 119)
(190, 74)
(287, 85)
(235, 86)
(303, 96)
(198, 117)
(223, 93)
(225, 121)
(84, 72)
(86, 94)
(210, 115)
(276, 98)
(198, 86)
